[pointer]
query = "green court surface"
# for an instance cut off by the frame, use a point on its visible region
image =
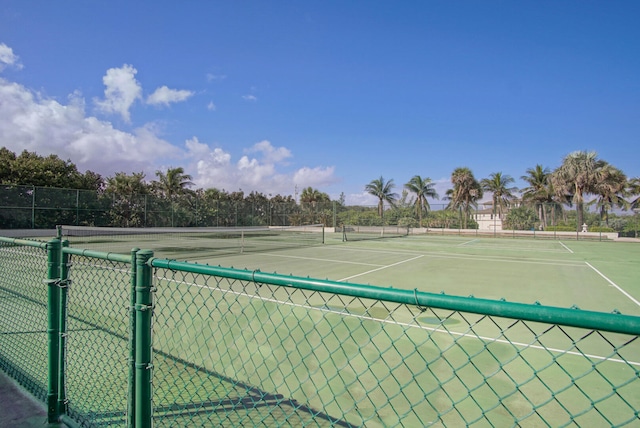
(599, 276)
(256, 347)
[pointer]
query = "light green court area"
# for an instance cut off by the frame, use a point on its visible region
(378, 364)
(238, 352)
(599, 276)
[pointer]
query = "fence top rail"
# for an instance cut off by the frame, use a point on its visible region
(24, 242)
(114, 257)
(612, 322)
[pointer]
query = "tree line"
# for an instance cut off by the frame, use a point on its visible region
(581, 174)
(169, 198)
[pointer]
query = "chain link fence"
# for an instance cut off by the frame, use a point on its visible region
(29, 207)
(98, 339)
(24, 315)
(284, 351)
(142, 341)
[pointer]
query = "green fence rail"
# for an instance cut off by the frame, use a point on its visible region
(229, 347)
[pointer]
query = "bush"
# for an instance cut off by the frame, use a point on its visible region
(603, 229)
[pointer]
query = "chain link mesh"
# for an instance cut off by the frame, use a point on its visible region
(98, 340)
(231, 352)
(247, 352)
(23, 316)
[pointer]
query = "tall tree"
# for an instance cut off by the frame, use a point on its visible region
(577, 176)
(465, 193)
(633, 189)
(125, 184)
(423, 189)
(610, 189)
(539, 192)
(128, 194)
(29, 168)
(7, 160)
(310, 197)
(173, 183)
(502, 193)
(383, 190)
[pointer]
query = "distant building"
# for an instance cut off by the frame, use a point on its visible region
(487, 220)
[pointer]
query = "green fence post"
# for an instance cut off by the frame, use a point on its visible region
(62, 337)
(143, 316)
(132, 344)
(54, 257)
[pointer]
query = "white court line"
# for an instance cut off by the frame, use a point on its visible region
(468, 242)
(614, 284)
(503, 260)
(567, 248)
(486, 258)
(380, 268)
(403, 324)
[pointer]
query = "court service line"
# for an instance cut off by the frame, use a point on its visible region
(614, 284)
(466, 256)
(468, 242)
(380, 268)
(567, 248)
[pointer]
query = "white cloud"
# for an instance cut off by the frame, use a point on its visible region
(45, 126)
(8, 58)
(363, 198)
(271, 154)
(122, 90)
(314, 177)
(31, 122)
(261, 173)
(250, 97)
(165, 96)
(211, 77)
(211, 106)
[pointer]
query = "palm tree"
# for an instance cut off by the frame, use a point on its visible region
(539, 192)
(633, 189)
(383, 191)
(423, 188)
(128, 199)
(465, 193)
(312, 196)
(174, 182)
(578, 175)
(498, 185)
(610, 190)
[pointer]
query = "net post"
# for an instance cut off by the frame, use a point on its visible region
(143, 343)
(54, 251)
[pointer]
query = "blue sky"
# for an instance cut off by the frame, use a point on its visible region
(274, 96)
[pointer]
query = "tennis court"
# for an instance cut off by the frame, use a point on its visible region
(240, 351)
(599, 276)
(281, 340)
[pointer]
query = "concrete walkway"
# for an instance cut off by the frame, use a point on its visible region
(18, 409)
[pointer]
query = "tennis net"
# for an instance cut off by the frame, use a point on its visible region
(361, 233)
(193, 242)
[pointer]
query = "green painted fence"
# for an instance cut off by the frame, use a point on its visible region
(130, 340)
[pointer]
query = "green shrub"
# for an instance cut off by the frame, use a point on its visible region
(603, 229)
